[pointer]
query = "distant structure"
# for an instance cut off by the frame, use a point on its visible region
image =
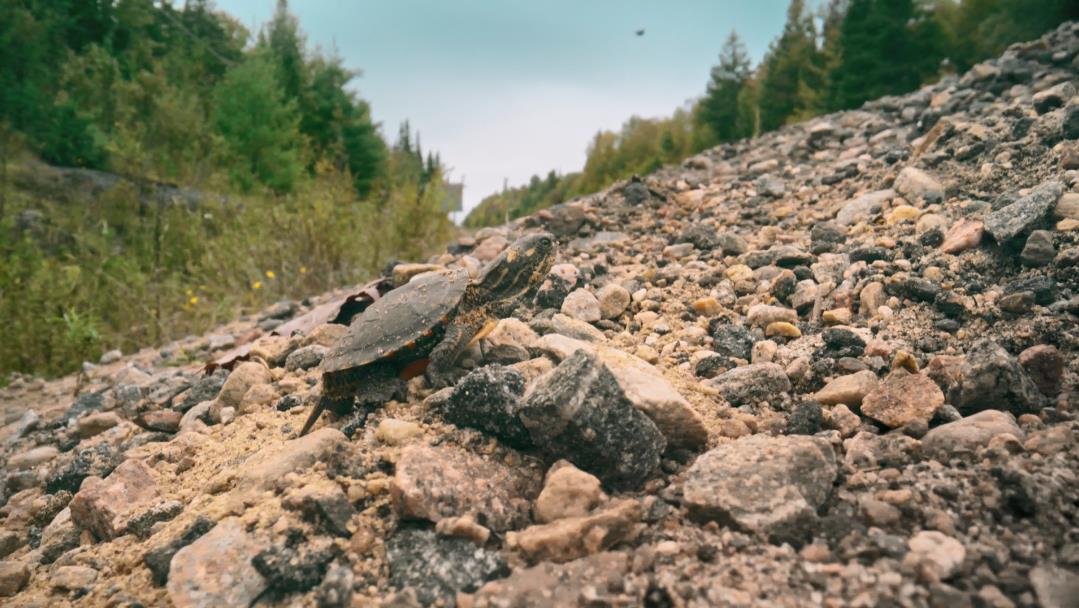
(640, 32)
(452, 202)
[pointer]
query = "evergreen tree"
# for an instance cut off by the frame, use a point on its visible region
(886, 47)
(259, 127)
(718, 111)
(793, 72)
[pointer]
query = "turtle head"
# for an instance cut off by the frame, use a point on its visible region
(521, 266)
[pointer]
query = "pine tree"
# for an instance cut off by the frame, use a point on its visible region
(718, 111)
(259, 127)
(793, 72)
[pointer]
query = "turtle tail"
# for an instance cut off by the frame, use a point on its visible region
(313, 417)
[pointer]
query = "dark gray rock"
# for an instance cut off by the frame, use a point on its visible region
(437, 568)
(579, 412)
(336, 588)
(731, 244)
(98, 461)
(305, 358)
(733, 341)
(1069, 127)
(206, 389)
(805, 418)
(489, 399)
(1025, 213)
(296, 564)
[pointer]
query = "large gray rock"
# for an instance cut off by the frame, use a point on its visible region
(1025, 213)
(770, 485)
(489, 399)
(580, 413)
(645, 387)
(550, 584)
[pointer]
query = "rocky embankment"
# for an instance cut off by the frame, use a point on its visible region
(834, 365)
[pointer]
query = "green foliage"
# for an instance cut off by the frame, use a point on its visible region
(793, 72)
(718, 109)
(513, 203)
(259, 128)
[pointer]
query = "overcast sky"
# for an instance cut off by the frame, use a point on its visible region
(504, 89)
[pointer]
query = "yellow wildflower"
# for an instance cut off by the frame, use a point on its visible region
(194, 300)
(303, 269)
(269, 274)
(256, 285)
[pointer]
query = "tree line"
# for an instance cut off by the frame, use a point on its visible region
(837, 58)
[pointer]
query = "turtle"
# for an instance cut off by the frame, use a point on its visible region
(426, 324)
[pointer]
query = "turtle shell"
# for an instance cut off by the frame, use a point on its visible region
(403, 325)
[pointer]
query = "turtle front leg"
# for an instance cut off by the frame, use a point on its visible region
(440, 373)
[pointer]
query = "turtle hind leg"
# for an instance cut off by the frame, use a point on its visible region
(440, 372)
(313, 416)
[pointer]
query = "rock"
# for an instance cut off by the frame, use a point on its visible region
(769, 485)
(701, 236)
(32, 458)
(105, 506)
(167, 421)
(914, 184)
(433, 483)
(397, 432)
(613, 301)
(1067, 206)
(863, 207)
(578, 330)
(403, 273)
(1044, 364)
(142, 523)
(13, 577)
(733, 341)
(848, 390)
(871, 298)
(509, 342)
(763, 315)
(489, 399)
(579, 412)
(580, 304)
(1052, 98)
(903, 398)
(805, 418)
(242, 378)
(1017, 303)
(964, 234)
(969, 433)
(76, 579)
(324, 503)
(336, 588)
(575, 537)
(307, 357)
(749, 383)
(437, 568)
(9, 542)
(295, 566)
(158, 559)
(1022, 215)
(567, 492)
(731, 244)
(645, 387)
(990, 378)
(868, 451)
(1056, 587)
(111, 356)
(1039, 249)
(1069, 127)
(96, 423)
(265, 467)
(550, 584)
(490, 247)
(934, 556)
(216, 569)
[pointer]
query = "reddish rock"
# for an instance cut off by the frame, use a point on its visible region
(848, 390)
(216, 569)
(964, 234)
(433, 483)
(902, 399)
(1044, 364)
(104, 506)
(167, 421)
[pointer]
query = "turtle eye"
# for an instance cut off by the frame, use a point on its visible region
(545, 241)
